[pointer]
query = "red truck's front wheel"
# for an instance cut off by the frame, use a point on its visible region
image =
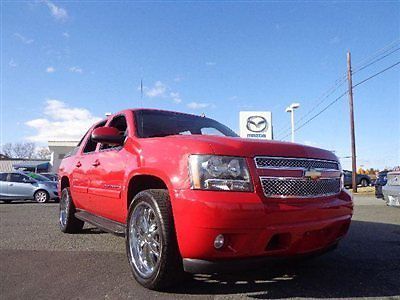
(150, 240)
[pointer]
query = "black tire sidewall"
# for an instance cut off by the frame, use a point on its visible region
(147, 198)
(63, 192)
(169, 270)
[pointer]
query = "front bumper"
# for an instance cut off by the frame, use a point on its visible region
(257, 227)
(199, 266)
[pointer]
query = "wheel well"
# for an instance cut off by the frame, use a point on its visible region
(64, 182)
(143, 182)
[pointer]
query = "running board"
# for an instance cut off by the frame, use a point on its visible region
(102, 223)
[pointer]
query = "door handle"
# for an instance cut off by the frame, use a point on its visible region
(11, 184)
(96, 163)
(78, 164)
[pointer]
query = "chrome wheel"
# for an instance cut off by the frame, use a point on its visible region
(145, 242)
(41, 196)
(64, 209)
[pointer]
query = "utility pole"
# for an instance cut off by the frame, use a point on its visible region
(352, 131)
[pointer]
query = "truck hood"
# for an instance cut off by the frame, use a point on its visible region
(234, 146)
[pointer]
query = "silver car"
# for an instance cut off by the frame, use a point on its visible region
(391, 191)
(19, 186)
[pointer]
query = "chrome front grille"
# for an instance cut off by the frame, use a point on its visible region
(265, 162)
(293, 187)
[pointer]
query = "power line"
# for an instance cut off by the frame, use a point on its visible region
(379, 52)
(375, 61)
(338, 83)
(372, 59)
(341, 96)
(376, 74)
(316, 115)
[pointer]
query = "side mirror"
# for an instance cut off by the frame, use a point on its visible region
(107, 135)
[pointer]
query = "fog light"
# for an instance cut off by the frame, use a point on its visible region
(219, 241)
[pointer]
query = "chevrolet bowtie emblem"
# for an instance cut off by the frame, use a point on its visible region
(312, 174)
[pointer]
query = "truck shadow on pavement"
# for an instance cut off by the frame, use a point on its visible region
(366, 264)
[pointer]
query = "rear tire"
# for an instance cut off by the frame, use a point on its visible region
(151, 244)
(364, 182)
(41, 196)
(67, 220)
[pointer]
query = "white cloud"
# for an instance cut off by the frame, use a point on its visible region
(161, 90)
(61, 122)
(66, 35)
(76, 69)
(12, 63)
(197, 105)
(57, 12)
(50, 69)
(175, 97)
(211, 63)
(23, 39)
(158, 90)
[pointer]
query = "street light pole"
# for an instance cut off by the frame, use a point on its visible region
(291, 109)
(292, 121)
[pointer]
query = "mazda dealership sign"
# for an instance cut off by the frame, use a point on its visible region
(256, 124)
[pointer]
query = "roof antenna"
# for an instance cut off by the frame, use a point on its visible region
(141, 104)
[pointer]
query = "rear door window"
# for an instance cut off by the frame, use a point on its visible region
(17, 177)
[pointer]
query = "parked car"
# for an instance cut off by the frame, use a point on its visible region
(362, 179)
(379, 183)
(19, 186)
(189, 195)
(391, 191)
(50, 176)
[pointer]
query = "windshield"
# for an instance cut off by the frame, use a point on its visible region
(161, 123)
(37, 177)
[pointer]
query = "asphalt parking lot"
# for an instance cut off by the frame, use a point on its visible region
(39, 262)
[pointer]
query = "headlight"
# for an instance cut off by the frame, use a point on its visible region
(212, 172)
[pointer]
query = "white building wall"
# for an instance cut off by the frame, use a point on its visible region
(58, 150)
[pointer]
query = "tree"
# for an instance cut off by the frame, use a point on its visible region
(19, 150)
(43, 153)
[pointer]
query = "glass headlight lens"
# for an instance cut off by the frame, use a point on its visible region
(213, 172)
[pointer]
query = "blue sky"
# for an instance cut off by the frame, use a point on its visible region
(65, 63)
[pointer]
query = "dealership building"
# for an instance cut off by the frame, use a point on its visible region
(58, 150)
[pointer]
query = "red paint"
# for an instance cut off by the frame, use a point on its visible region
(248, 219)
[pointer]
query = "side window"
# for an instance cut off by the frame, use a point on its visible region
(118, 122)
(17, 177)
(211, 131)
(91, 145)
(3, 176)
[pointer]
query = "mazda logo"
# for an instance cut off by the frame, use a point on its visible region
(256, 124)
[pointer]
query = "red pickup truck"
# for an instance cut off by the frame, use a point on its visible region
(189, 195)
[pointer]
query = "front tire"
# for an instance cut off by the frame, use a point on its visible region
(41, 196)
(67, 220)
(151, 244)
(364, 182)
